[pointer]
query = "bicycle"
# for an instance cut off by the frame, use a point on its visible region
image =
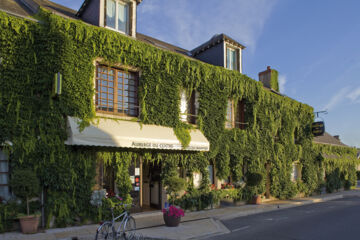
(126, 229)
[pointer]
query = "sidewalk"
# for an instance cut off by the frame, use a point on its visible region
(195, 225)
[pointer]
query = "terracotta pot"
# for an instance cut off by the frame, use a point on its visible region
(256, 199)
(29, 224)
(171, 221)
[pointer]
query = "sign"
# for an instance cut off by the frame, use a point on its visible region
(168, 146)
(318, 128)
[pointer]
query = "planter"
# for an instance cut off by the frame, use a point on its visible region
(256, 199)
(171, 221)
(29, 224)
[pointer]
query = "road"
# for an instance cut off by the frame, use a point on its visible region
(338, 219)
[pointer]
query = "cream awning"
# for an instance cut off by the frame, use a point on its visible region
(128, 134)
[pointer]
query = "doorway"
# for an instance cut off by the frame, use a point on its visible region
(152, 187)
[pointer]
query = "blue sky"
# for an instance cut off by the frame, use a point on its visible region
(313, 44)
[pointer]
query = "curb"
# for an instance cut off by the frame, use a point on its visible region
(270, 208)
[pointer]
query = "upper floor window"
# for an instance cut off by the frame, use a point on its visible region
(189, 107)
(235, 117)
(231, 58)
(117, 15)
(4, 176)
(116, 91)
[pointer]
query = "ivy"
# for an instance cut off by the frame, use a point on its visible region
(36, 122)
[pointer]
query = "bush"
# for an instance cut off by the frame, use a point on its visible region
(8, 214)
(25, 185)
(253, 179)
(173, 185)
(333, 181)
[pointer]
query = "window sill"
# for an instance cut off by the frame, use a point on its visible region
(116, 116)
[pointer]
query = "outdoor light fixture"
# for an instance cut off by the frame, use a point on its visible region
(57, 84)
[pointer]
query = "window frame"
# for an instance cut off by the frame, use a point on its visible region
(7, 174)
(115, 91)
(128, 19)
(237, 117)
(236, 63)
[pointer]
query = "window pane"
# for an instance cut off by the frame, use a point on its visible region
(3, 178)
(3, 155)
(110, 13)
(228, 58)
(122, 17)
(4, 166)
(211, 174)
(4, 192)
(111, 84)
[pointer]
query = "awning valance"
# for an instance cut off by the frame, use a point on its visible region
(128, 134)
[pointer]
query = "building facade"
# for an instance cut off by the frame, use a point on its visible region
(91, 104)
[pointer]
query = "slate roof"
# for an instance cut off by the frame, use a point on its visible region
(216, 39)
(328, 139)
(28, 8)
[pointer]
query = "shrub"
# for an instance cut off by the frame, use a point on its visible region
(25, 185)
(333, 181)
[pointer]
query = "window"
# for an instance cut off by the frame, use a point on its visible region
(240, 115)
(231, 59)
(117, 15)
(116, 91)
(235, 118)
(189, 107)
(4, 176)
(211, 174)
(296, 172)
(229, 115)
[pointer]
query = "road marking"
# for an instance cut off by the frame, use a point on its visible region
(239, 229)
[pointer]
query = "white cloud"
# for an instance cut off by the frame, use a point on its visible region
(354, 95)
(344, 95)
(337, 98)
(282, 82)
(189, 23)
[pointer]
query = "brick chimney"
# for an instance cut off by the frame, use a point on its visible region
(265, 77)
(337, 137)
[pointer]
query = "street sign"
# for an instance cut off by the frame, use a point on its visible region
(318, 128)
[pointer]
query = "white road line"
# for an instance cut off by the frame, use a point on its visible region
(239, 229)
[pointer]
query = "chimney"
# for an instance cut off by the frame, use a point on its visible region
(269, 78)
(337, 137)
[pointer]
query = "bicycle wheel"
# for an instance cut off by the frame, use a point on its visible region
(105, 231)
(130, 229)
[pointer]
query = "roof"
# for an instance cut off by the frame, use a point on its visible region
(161, 44)
(328, 139)
(216, 39)
(26, 8)
(87, 2)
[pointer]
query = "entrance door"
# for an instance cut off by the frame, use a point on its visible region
(155, 188)
(151, 192)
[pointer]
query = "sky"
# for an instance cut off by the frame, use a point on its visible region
(315, 46)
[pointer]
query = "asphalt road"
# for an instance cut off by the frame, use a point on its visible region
(338, 219)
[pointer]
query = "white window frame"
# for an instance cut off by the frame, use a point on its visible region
(117, 2)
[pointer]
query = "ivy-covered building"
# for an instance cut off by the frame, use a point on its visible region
(88, 103)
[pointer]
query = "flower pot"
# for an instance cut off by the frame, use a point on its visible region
(29, 224)
(256, 199)
(171, 221)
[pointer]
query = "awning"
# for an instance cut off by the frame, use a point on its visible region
(128, 134)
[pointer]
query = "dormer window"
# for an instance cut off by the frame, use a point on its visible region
(232, 59)
(117, 15)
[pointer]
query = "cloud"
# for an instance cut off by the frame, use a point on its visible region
(282, 82)
(354, 95)
(337, 98)
(189, 23)
(344, 95)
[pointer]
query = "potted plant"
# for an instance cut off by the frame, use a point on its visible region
(172, 216)
(253, 180)
(25, 185)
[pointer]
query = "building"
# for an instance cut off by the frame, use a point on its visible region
(91, 104)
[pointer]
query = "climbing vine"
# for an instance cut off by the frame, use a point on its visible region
(35, 121)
